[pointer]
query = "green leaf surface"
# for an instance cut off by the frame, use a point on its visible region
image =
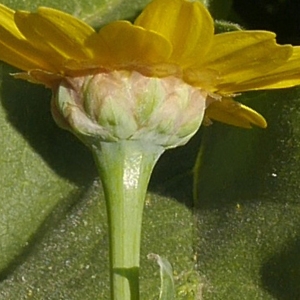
(248, 204)
(95, 12)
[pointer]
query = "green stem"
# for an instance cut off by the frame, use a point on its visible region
(125, 168)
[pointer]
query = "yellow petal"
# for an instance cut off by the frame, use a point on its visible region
(123, 44)
(14, 49)
(287, 75)
(58, 34)
(187, 25)
(240, 56)
(234, 113)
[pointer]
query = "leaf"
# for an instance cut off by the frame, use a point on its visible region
(94, 12)
(248, 205)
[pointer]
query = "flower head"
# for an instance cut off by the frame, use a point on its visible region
(53, 48)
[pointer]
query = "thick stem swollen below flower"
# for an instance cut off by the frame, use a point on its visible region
(125, 168)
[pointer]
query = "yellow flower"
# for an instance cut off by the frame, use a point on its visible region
(170, 37)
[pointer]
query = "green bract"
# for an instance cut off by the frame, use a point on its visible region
(123, 105)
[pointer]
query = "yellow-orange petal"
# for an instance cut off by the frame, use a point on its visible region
(239, 56)
(234, 113)
(187, 25)
(287, 75)
(58, 34)
(14, 49)
(121, 44)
